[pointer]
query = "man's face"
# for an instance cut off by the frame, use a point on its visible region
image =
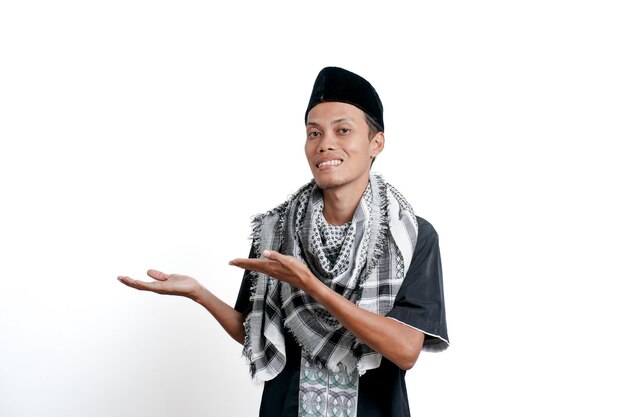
(338, 145)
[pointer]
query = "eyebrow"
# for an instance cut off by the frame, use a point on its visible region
(334, 122)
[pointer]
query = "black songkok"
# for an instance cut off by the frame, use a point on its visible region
(338, 84)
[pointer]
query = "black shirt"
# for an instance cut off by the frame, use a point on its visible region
(382, 391)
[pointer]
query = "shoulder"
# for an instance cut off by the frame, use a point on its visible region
(427, 244)
(426, 231)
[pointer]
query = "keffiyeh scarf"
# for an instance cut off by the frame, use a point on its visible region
(365, 261)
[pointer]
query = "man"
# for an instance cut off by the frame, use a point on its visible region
(343, 286)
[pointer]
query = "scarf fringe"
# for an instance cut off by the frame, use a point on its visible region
(255, 236)
(383, 225)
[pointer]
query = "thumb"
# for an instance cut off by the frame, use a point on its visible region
(158, 275)
(272, 255)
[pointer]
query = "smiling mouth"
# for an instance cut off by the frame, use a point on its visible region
(331, 163)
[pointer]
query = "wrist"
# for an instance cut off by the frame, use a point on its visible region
(197, 293)
(311, 285)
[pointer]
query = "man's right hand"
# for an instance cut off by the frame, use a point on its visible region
(169, 284)
(182, 285)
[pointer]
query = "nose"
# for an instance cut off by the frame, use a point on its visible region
(327, 143)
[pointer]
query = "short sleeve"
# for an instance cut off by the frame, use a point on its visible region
(420, 302)
(244, 303)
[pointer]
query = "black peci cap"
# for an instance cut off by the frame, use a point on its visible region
(338, 84)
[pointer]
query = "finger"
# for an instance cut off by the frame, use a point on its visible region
(139, 285)
(158, 275)
(258, 265)
(243, 262)
(267, 253)
(273, 255)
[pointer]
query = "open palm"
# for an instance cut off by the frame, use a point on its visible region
(169, 284)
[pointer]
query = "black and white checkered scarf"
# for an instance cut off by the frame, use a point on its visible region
(368, 270)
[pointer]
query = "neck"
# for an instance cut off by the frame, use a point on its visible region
(340, 203)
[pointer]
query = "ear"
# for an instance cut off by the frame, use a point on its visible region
(377, 144)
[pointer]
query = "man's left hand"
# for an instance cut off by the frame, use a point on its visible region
(282, 267)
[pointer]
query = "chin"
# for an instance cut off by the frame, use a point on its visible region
(328, 183)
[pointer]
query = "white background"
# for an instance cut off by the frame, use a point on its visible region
(139, 134)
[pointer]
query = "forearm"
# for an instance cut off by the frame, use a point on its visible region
(229, 318)
(392, 339)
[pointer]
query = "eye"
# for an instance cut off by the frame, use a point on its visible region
(344, 131)
(313, 134)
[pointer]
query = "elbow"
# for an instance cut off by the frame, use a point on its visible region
(407, 365)
(408, 358)
(410, 351)
(239, 338)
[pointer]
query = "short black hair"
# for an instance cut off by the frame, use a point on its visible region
(374, 128)
(373, 125)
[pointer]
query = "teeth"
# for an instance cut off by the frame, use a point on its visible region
(333, 162)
